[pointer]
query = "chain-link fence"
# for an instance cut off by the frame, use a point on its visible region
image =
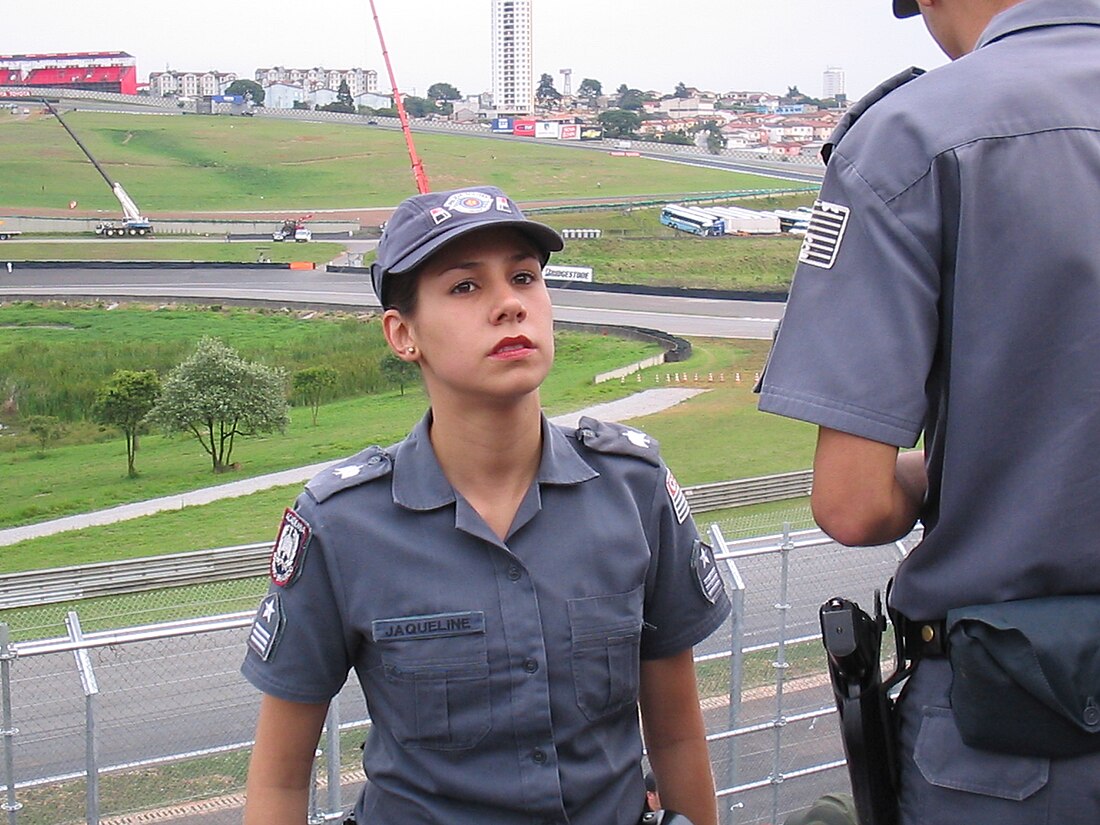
(131, 709)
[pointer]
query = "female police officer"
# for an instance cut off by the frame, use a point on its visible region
(508, 592)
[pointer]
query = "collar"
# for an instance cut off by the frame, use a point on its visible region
(1033, 14)
(419, 483)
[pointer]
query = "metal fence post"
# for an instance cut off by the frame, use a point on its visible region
(314, 817)
(11, 805)
(781, 664)
(91, 689)
(332, 738)
(736, 670)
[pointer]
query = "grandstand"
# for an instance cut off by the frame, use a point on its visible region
(92, 71)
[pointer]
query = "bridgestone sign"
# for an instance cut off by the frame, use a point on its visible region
(567, 273)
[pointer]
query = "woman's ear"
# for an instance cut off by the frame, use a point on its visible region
(400, 336)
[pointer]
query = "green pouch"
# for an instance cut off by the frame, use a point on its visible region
(1027, 675)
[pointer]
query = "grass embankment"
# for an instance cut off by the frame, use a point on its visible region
(713, 437)
(174, 163)
(63, 363)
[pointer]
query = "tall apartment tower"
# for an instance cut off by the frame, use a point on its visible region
(513, 83)
(832, 82)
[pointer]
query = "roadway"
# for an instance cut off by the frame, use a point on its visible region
(701, 317)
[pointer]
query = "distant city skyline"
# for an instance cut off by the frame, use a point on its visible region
(751, 45)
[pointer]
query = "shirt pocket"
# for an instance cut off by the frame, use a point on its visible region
(606, 636)
(435, 690)
(948, 764)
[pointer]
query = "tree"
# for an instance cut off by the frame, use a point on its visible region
(546, 93)
(418, 106)
(590, 88)
(314, 385)
(249, 89)
(216, 395)
(681, 91)
(630, 99)
(398, 371)
(443, 91)
(343, 95)
(45, 428)
(618, 123)
(123, 402)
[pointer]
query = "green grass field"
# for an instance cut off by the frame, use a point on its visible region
(191, 162)
(195, 251)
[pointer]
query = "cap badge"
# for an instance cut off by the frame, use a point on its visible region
(439, 214)
(469, 203)
(503, 205)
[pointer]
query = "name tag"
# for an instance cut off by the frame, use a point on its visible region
(429, 627)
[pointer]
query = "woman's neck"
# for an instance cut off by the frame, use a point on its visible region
(490, 455)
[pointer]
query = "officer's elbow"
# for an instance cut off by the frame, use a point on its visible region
(857, 521)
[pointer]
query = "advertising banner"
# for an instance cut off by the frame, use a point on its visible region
(567, 273)
(502, 125)
(523, 128)
(547, 129)
(570, 131)
(591, 133)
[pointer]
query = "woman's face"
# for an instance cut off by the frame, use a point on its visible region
(482, 329)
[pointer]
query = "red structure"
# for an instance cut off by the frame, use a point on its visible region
(93, 71)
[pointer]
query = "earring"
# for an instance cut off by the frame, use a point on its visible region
(410, 350)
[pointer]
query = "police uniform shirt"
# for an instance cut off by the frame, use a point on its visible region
(950, 284)
(501, 676)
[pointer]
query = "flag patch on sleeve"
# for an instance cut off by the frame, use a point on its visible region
(290, 549)
(676, 495)
(826, 230)
(267, 627)
(707, 577)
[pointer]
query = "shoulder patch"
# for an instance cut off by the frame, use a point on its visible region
(617, 439)
(267, 627)
(373, 463)
(290, 549)
(707, 578)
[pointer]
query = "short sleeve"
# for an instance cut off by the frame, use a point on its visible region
(686, 597)
(296, 647)
(858, 339)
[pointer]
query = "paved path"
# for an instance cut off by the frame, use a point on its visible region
(634, 406)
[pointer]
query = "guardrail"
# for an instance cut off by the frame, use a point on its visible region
(85, 581)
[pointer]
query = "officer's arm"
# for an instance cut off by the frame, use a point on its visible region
(676, 738)
(864, 492)
(277, 791)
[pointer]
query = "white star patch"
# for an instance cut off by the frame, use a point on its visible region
(707, 577)
(267, 627)
(638, 439)
(348, 472)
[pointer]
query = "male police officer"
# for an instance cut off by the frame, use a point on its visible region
(949, 286)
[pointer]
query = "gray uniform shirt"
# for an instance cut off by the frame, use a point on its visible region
(950, 286)
(501, 676)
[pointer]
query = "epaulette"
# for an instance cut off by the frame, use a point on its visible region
(372, 463)
(616, 439)
(863, 104)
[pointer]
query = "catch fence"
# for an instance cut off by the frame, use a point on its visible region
(128, 709)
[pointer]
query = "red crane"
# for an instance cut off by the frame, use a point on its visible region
(419, 174)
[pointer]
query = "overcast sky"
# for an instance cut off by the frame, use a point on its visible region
(751, 45)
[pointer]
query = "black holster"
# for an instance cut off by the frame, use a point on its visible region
(853, 642)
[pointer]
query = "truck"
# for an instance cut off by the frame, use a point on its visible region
(293, 229)
(9, 233)
(133, 223)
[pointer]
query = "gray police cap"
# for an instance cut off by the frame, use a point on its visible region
(906, 8)
(423, 224)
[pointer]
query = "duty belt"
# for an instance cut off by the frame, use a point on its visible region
(924, 639)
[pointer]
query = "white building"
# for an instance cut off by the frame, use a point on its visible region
(832, 82)
(513, 75)
(360, 81)
(190, 84)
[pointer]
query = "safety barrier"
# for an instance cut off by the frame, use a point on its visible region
(243, 561)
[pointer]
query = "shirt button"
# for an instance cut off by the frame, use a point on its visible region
(374, 459)
(530, 665)
(513, 573)
(538, 756)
